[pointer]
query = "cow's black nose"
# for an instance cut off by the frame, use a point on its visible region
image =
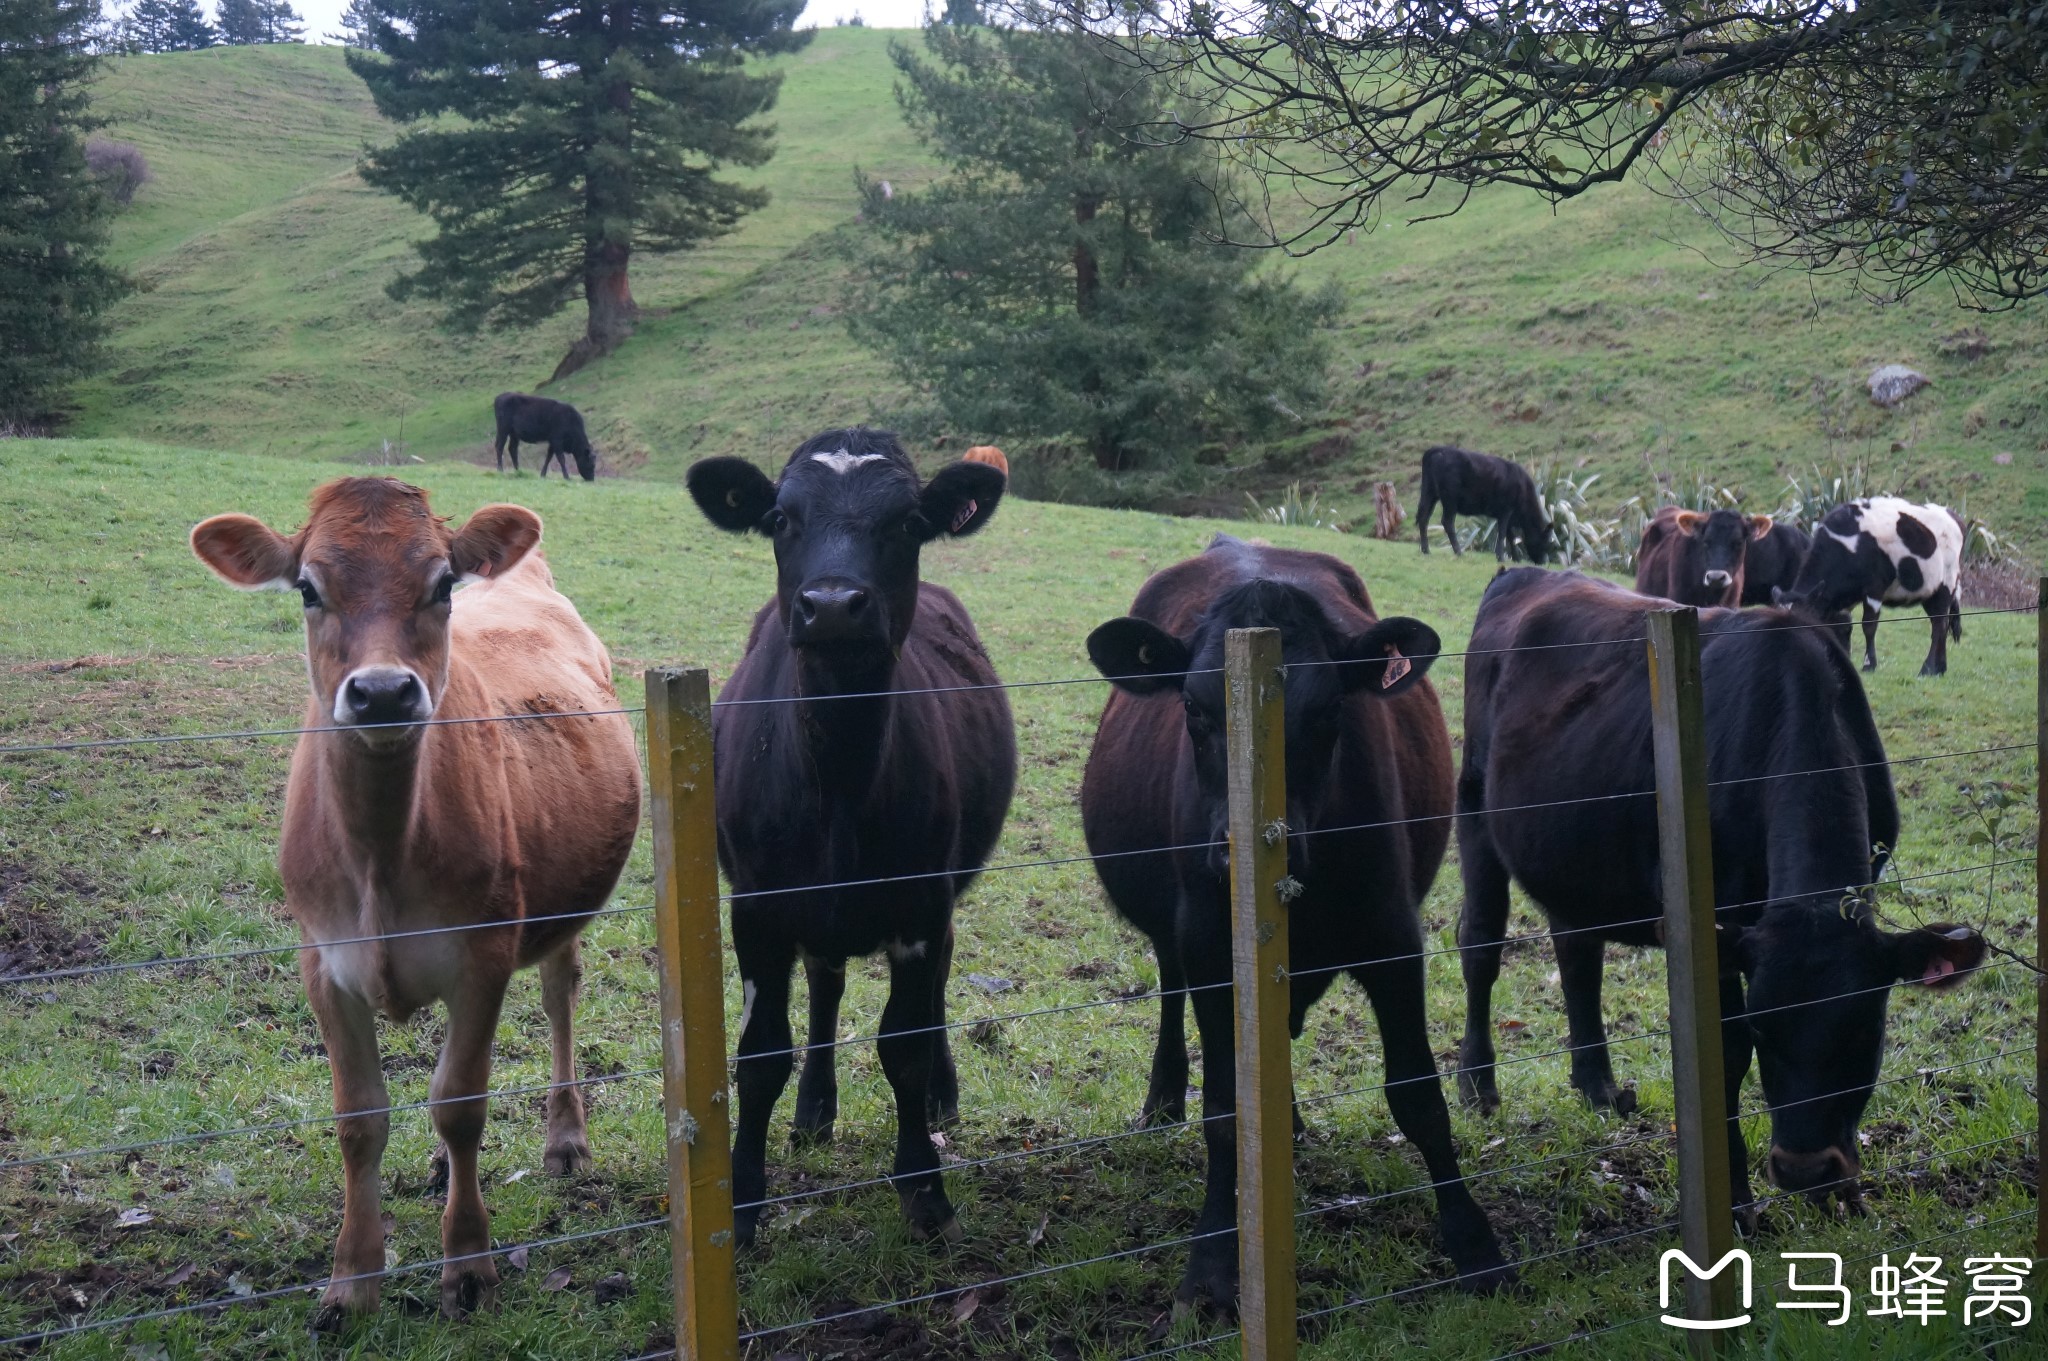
(384, 695)
(830, 613)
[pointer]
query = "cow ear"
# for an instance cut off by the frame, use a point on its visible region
(732, 493)
(1138, 656)
(1390, 657)
(1689, 520)
(245, 552)
(493, 541)
(1760, 525)
(960, 499)
(1731, 944)
(1937, 956)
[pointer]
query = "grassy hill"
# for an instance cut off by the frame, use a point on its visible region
(1608, 333)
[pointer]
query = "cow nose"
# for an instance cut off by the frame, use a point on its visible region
(1717, 578)
(828, 613)
(382, 694)
(1814, 1171)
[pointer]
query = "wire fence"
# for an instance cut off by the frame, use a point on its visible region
(1304, 1214)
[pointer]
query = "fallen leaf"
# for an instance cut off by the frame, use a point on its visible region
(134, 1218)
(516, 1259)
(557, 1280)
(181, 1275)
(390, 1222)
(989, 983)
(239, 1287)
(1037, 1235)
(1512, 1026)
(517, 1177)
(938, 1139)
(964, 1307)
(616, 1286)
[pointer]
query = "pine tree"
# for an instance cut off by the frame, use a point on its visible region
(54, 288)
(240, 22)
(584, 130)
(169, 26)
(358, 26)
(281, 23)
(963, 13)
(1062, 280)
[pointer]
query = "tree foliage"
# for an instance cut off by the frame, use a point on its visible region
(54, 288)
(1064, 281)
(582, 132)
(168, 26)
(250, 23)
(1904, 140)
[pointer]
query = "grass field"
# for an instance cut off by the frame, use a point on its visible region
(1610, 332)
(109, 628)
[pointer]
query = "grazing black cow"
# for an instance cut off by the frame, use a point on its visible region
(1366, 744)
(1697, 557)
(1772, 562)
(1882, 551)
(1566, 720)
(543, 420)
(845, 750)
(1480, 484)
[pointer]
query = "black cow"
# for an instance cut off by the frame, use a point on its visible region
(543, 420)
(846, 750)
(1772, 563)
(1698, 557)
(1882, 550)
(1366, 743)
(1565, 721)
(1480, 484)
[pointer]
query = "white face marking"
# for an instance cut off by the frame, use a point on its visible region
(904, 950)
(746, 1004)
(839, 461)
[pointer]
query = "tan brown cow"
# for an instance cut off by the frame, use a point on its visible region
(989, 454)
(394, 826)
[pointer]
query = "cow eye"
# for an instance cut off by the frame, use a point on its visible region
(309, 594)
(777, 522)
(444, 589)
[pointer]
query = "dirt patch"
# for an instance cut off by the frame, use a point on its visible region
(33, 939)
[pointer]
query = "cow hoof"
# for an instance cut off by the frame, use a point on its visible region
(1748, 1219)
(944, 1116)
(1624, 1101)
(328, 1319)
(811, 1136)
(745, 1223)
(468, 1290)
(1928, 672)
(1870, 665)
(1208, 1288)
(566, 1157)
(1159, 1114)
(1478, 1094)
(1488, 1280)
(945, 1234)
(931, 1217)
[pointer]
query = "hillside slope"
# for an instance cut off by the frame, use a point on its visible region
(1609, 333)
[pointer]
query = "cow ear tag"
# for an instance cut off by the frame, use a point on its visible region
(1145, 654)
(1397, 667)
(732, 497)
(1938, 968)
(963, 515)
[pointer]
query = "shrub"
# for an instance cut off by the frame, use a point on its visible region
(1293, 509)
(120, 167)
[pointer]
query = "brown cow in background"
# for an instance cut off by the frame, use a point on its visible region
(392, 825)
(989, 454)
(1697, 557)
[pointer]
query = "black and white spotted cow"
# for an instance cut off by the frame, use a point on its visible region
(1882, 550)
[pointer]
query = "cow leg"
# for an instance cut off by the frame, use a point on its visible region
(1581, 958)
(945, 1085)
(1737, 1043)
(1415, 1096)
(460, 1078)
(1422, 510)
(1482, 927)
(817, 1089)
(1451, 532)
(349, 1030)
(1869, 636)
(763, 1069)
(1941, 610)
(515, 455)
(1212, 1259)
(567, 1150)
(499, 446)
(907, 1045)
(1166, 1099)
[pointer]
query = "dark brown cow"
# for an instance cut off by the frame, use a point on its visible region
(1366, 744)
(1697, 557)
(393, 827)
(1468, 483)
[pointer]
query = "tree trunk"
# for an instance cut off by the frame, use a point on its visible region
(608, 198)
(1087, 274)
(608, 297)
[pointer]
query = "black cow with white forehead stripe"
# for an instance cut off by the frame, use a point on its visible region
(1882, 550)
(850, 747)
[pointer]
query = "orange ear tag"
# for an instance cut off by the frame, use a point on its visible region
(963, 515)
(1397, 667)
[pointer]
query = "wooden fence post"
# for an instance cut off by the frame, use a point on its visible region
(2040, 917)
(1257, 739)
(1684, 836)
(695, 1099)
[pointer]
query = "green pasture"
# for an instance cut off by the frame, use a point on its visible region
(109, 628)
